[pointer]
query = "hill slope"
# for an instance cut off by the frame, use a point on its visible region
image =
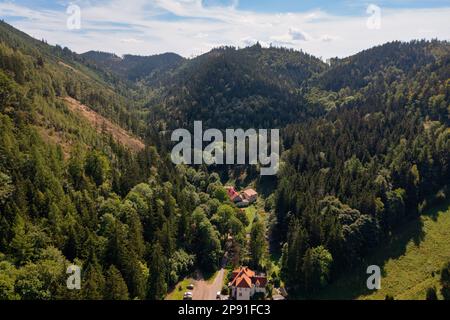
(360, 160)
(401, 59)
(410, 262)
(131, 67)
(70, 193)
(250, 87)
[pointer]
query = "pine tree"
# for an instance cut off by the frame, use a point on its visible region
(293, 254)
(431, 294)
(135, 233)
(157, 286)
(115, 286)
(445, 281)
(258, 245)
(21, 243)
(135, 277)
(93, 282)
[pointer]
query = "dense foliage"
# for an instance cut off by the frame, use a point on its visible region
(376, 159)
(365, 141)
(71, 194)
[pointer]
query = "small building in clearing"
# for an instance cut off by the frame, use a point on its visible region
(250, 194)
(243, 199)
(233, 195)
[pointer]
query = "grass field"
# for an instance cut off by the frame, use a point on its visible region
(251, 213)
(410, 262)
(181, 287)
(177, 293)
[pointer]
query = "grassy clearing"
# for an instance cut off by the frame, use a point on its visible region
(179, 290)
(251, 213)
(410, 262)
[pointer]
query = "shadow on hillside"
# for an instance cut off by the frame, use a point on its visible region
(434, 212)
(353, 285)
(266, 185)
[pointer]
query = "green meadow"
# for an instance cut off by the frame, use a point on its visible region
(410, 262)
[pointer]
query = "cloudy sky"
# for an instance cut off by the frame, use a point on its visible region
(325, 28)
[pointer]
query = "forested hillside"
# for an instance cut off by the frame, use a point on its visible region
(148, 69)
(378, 158)
(365, 148)
(70, 194)
(252, 87)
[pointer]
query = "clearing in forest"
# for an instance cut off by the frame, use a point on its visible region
(410, 262)
(101, 124)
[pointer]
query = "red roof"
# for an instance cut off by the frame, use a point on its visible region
(244, 277)
(249, 272)
(259, 281)
(250, 193)
(234, 196)
(231, 192)
(243, 282)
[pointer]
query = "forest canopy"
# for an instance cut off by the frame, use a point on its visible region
(365, 148)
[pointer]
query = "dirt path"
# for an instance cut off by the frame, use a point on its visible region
(207, 291)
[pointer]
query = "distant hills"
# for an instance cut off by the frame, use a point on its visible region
(86, 176)
(133, 67)
(264, 87)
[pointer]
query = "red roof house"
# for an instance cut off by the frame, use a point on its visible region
(245, 283)
(233, 194)
(250, 194)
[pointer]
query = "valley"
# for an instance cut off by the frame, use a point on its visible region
(87, 178)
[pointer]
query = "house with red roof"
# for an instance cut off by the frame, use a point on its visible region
(233, 194)
(243, 199)
(246, 282)
(250, 195)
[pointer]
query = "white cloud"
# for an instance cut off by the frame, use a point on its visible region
(143, 27)
(327, 38)
(297, 35)
(131, 40)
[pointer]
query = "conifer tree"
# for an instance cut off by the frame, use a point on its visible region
(258, 245)
(115, 286)
(445, 281)
(156, 287)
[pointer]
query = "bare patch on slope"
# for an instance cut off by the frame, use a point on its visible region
(49, 135)
(101, 124)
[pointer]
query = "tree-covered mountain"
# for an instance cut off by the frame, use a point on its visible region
(248, 87)
(133, 68)
(224, 87)
(365, 147)
(71, 194)
(397, 59)
(378, 158)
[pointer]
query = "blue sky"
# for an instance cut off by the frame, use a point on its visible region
(342, 7)
(324, 28)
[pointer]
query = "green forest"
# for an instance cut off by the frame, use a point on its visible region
(365, 150)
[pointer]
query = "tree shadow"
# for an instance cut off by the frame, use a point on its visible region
(204, 275)
(433, 212)
(354, 283)
(266, 185)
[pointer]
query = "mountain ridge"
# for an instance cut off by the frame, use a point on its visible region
(364, 149)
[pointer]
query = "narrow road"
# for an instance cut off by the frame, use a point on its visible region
(207, 291)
